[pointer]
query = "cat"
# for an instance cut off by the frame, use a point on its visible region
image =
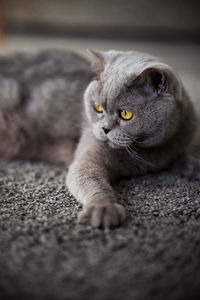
(127, 115)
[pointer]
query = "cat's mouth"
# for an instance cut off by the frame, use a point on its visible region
(111, 141)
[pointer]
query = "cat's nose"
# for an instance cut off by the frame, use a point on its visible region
(105, 130)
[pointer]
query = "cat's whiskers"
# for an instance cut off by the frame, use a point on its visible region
(120, 141)
(134, 154)
(131, 150)
(134, 141)
(136, 158)
(128, 142)
(135, 148)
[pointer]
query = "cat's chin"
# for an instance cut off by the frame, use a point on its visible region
(113, 145)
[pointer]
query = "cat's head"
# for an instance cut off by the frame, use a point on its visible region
(135, 99)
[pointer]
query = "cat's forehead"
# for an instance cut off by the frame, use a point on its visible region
(123, 68)
(112, 83)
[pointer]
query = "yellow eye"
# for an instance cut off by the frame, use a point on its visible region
(98, 108)
(126, 115)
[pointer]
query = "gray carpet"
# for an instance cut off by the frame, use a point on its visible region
(44, 254)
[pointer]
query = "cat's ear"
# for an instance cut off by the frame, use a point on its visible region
(98, 61)
(154, 78)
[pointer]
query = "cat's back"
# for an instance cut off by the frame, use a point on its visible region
(47, 86)
(43, 63)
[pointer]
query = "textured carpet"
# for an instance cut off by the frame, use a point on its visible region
(44, 254)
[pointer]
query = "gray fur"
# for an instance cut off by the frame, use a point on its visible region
(41, 104)
(42, 116)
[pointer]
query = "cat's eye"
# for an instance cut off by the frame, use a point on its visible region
(98, 108)
(126, 115)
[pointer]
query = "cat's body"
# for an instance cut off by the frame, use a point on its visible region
(136, 118)
(41, 104)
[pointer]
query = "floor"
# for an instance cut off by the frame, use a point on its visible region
(45, 255)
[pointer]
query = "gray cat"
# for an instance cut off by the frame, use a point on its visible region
(134, 117)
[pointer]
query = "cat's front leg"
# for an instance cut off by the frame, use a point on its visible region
(88, 181)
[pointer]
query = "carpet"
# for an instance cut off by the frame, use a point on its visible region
(45, 254)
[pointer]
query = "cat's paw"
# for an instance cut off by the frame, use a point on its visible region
(102, 214)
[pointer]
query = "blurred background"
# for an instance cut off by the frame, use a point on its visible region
(168, 29)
